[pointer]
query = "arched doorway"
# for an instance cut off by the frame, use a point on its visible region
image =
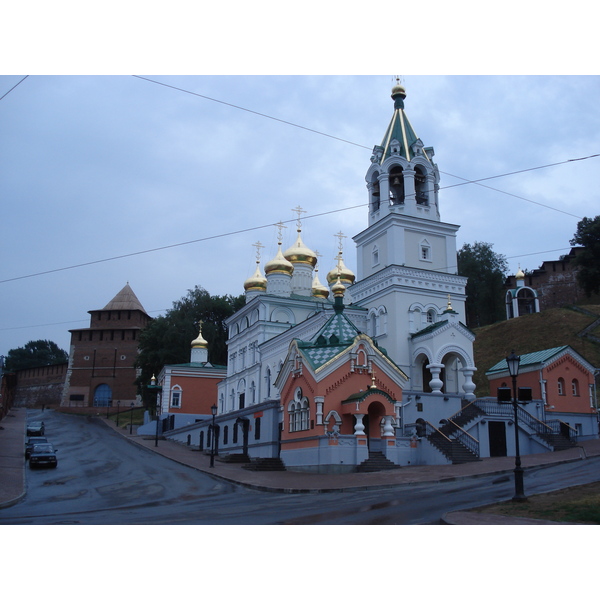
(103, 395)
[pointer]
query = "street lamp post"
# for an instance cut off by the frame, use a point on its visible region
(158, 389)
(118, 408)
(131, 419)
(213, 410)
(513, 362)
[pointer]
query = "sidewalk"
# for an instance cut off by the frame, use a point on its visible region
(12, 478)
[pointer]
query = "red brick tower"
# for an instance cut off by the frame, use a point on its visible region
(102, 356)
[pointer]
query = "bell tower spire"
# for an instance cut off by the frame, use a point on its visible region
(403, 178)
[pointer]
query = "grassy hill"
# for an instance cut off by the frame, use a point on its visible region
(531, 333)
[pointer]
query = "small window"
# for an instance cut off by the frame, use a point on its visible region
(561, 386)
(257, 428)
(431, 316)
(176, 398)
(425, 253)
(225, 434)
(575, 387)
(375, 256)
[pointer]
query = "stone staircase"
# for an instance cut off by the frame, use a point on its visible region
(265, 464)
(452, 449)
(376, 462)
(559, 442)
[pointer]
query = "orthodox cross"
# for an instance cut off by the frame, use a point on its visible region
(258, 247)
(280, 226)
(298, 210)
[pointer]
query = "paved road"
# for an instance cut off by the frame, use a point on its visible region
(103, 478)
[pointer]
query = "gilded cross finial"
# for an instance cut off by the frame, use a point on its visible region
(298, 210)
(258, 247)
(373, 386)
(280, 226)
(340, 236)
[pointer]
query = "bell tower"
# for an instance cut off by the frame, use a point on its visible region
(404, 216)
(406, 257)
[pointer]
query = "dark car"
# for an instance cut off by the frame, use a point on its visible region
(36, 428)
(43, 455)
(31, 442)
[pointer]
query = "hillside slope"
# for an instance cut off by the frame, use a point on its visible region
(578, 327)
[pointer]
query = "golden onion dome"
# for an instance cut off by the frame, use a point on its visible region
(520, 274)
(279, 264)
(298, 253)
(256, 283)
(200, 342)
(318, 289)
(346, 276)
(338, 288)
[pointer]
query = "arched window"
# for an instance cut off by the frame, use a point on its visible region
(257, 428)
(299, 412)
(561, 386)
(431, 316)
(361, 358)
(176, 396)
(225, 434)
(575, 387)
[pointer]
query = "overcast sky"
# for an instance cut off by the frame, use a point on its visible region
(98, 167)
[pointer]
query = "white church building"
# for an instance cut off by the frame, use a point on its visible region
(376, 365)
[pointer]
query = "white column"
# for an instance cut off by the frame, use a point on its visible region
(359, 428)
(468, 385)
(388, 429)
(384, 194)
(436, 383)
(410, 199)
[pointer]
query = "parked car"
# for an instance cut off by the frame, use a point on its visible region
(43, 455)
(31, 442)
(36, 428)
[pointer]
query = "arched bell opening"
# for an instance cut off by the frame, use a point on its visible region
(396, 179)
(374, 193)
(421, 190)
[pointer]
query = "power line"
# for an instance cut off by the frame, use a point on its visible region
(13, 87)
(253, 112)
(465, 181)
(205, 239)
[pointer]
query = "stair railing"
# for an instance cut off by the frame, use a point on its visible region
(560, 427)
(465, 438)
(539, 427)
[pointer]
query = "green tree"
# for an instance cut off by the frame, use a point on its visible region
(588, 260)
(167, 339)
(39, 353)
(486, 273)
